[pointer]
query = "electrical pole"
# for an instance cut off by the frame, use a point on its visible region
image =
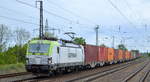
(41, 20)
(113, 43)
(96, 29)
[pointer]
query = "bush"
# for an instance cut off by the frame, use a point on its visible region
(149, 54)
(13, 55)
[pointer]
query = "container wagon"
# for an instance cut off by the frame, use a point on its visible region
(130, 55)
(102, 55)
(134, 53)
(116, 56)
(91, 55)
(127, 55)
(120, 55)
(111, 55)
(124, 55)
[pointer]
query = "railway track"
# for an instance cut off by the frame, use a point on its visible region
(97, 75)
(102, 73)
(13, 75)
(135, 73)
(145, 76)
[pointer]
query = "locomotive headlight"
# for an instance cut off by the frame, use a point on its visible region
(49, 60)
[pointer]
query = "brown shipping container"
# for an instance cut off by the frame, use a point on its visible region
(130, 55)
(127, 55)
(124, 54)
(110, 54)
(102, 55)
(120, 55)
(91, 53)
(116, 55)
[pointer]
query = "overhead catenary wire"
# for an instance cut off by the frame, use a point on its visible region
(120, 12)
(19, 20)
(128, 5)
(21, 13)
(45, 11)
(137, 15)
(72, 13)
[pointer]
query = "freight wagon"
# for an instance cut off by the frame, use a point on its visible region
(95, 55)
(124, 55)
(127, 54)
(116, 56)
(111, 55)
(102, 55)
(91, 55)
(135, 54)
(120, 55)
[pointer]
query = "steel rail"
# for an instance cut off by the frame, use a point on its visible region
(103, 73)
(135, 73)
(144, 77)
(14, 74)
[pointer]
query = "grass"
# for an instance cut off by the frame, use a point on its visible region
(12, 68)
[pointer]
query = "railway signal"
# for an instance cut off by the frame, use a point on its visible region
(96, 29)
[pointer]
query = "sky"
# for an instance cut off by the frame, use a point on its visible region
(126, 20)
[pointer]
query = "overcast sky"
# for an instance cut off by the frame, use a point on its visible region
(83, 16)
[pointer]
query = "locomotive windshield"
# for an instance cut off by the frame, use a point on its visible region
(39, 48)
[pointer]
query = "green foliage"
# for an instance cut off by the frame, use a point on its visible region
(49, 35)
(13, 55)
(79, 40)
(12, 68)
(103, 45)
(148, 54)
(36, 38)
(122, 47)
(1, 48)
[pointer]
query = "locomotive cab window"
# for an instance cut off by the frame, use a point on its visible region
(39, 48)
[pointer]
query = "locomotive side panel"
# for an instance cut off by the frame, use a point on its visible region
(70, 56)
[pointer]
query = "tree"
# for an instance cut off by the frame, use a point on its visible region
(4, 36)
(22, 35)
(122, 47)
(49, 35)
(103, 45)
(79, 40)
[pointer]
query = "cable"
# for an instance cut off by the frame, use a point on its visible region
(4, 8)
(71, 12)
(18, 20)
(57, 15)
(128, 5)
(45, 11)
(114, 6)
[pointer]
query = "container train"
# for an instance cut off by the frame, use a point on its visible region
(47, 56)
